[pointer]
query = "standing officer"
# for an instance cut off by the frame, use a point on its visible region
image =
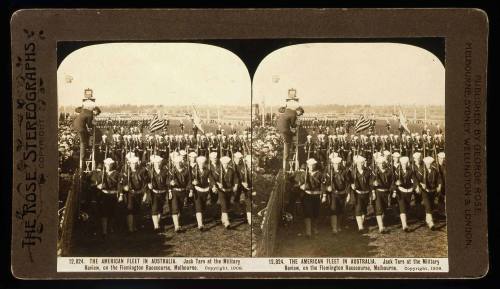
(82, 124)
(286, 125)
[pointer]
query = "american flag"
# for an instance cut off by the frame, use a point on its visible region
(156, 124)
(362, 123)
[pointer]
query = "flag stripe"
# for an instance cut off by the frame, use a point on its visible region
(362, 124)
(156, 124)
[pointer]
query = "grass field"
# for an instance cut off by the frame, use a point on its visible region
(216, 241)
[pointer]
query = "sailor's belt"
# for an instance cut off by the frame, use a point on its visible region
(178, 189)
(431, 190)
(382, 190)
(159, 191)
(201, 189)
(109, 192)
(226, 190)
(401, 189)
(135, 191)
(362, 192)
(313, 192)
(341, 192)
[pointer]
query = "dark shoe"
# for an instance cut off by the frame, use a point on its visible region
(201, 229)
(433, 228)
(406, 230)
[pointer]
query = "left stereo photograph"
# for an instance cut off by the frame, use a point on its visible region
(153, 151)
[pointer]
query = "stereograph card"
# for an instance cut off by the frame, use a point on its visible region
(249, 143)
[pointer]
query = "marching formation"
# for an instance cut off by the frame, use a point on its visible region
(388, 172)
(370, 173)
(133, 166)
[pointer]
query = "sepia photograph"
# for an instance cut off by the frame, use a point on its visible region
(154, 151)
(349, 142)
(249, 143)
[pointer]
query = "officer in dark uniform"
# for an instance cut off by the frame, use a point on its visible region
(82, 124)
(286, 125)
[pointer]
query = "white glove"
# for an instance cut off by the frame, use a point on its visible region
(394, 195)
(99, 186)
(170, 195)
(323, 199)
(303, 187)
(150, 186)
(190, 193)
(374, 196)
(329, 188)
(348, 198)
(120, 198)
(126, 188)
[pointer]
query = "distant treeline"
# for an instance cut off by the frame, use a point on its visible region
(170, 109)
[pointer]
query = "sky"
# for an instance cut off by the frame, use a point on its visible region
(351, 74)
(189, 73)
(154, 73)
